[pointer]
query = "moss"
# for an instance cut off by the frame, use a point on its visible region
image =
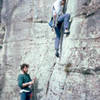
(86, 72)
(0, 47)
(67, 67)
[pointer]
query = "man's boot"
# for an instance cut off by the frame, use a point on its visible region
(57, 53)
(67, 32)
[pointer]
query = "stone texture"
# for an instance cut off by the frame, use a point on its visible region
(2, 33)
(29, 39)
(42, 10)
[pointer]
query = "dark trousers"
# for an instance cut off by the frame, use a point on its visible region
(25, 96)
(64, 18)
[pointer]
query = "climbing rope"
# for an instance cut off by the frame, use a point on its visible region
(62, 34)
(34, 91)
(34, 97)
(61, 41)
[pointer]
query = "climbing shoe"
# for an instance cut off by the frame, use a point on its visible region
(67, 34)
(57, 54)
(66, 31)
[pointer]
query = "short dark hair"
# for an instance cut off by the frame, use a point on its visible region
(23, 66)
(64, 0)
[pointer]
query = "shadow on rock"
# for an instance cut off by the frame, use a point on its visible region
(2, 81)
(36, 91)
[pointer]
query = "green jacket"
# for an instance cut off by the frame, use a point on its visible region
(24, 78)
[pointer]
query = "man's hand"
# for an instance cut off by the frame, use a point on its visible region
(32, 82)
(34, 79)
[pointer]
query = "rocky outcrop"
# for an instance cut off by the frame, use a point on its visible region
(29, 39)
(2, 33)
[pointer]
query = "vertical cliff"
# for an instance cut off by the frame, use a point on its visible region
(29, 39)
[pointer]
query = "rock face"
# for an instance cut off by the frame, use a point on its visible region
(28, 39)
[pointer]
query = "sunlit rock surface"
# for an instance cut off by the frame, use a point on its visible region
(26, 38)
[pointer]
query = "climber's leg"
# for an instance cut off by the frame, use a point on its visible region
(57, 39)
(65, 18)
(23, 96)
(28, 96)
(66, 21)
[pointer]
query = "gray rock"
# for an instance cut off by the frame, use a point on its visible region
(27, 38)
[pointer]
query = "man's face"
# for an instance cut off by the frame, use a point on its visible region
(25, 69)
(62, 2)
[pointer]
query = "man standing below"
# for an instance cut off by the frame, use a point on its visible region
(25, 82)
(59, 18)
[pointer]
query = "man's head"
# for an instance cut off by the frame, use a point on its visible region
(63, 2)
(24, 68)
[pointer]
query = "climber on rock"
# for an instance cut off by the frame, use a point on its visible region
(25, 83)
(59, 17)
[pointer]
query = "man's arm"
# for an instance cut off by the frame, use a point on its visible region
(54, 16)
(21, 84)
(28, 83)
